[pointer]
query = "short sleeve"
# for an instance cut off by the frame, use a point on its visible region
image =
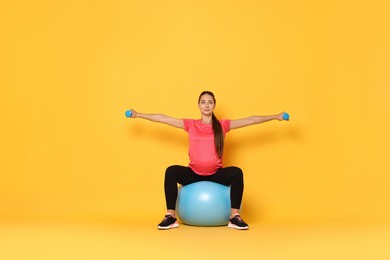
(225, 125)
(187, 124)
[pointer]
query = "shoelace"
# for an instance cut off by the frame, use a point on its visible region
(238, 217)
(167, 217)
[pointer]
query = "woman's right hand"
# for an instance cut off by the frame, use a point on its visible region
(134, 113)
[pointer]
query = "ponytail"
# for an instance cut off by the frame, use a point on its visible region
(218, 136)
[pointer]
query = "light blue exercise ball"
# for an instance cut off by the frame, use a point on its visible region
(204, 203)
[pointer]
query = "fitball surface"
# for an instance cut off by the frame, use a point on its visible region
(129, 113)
(204, 203)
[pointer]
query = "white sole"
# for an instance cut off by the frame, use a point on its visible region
(230, 225)
(174, 225)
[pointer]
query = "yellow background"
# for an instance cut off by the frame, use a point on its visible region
(70, 69)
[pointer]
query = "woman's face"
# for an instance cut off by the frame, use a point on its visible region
(206, 105)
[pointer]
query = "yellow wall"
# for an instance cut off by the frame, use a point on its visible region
(69, 70)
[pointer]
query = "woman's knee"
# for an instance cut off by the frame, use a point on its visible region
(237, 172)
(172, 172)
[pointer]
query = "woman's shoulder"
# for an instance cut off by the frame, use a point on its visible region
(225, 123)
(189, 120)
(188, 123)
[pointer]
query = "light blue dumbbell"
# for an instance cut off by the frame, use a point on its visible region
(129, 113)
(285, 116)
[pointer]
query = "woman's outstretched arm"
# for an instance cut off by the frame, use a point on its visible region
(160, 118)
(252, 120)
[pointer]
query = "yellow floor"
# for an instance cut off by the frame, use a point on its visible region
(112, 241)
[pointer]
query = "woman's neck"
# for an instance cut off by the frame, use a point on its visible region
(206, 119)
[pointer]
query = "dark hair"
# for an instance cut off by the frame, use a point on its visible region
(217, 128)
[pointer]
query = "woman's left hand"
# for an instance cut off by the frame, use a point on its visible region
(280, 116)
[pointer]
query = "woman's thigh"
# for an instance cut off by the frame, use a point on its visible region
(226, 175)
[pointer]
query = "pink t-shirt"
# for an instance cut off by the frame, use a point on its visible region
(204, 159)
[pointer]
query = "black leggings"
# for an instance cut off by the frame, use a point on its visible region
(229, 176)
